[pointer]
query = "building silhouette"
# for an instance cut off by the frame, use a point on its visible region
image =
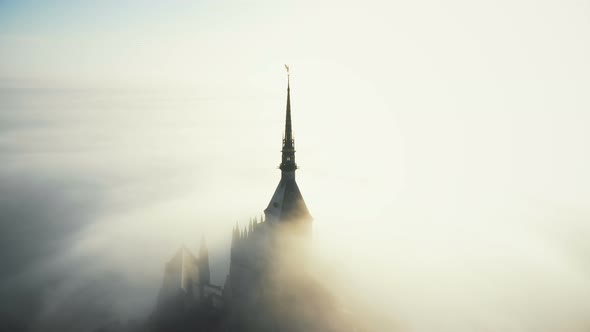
(268, 287)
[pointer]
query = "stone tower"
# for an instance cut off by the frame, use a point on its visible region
(287, 204)
(260, 249)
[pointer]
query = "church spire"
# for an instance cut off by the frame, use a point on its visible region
(288, 152)
(287, 203)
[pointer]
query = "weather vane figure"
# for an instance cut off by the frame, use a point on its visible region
(288, 75)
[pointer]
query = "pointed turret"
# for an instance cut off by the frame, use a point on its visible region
(204, 271)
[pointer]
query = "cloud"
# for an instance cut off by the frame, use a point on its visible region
(87, 216)
(38, 221)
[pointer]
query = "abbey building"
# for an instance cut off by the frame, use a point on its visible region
(267, 287)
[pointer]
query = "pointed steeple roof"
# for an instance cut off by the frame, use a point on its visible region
(183, 268)
(288, 151)
(287, 202)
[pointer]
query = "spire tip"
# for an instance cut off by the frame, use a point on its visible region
(288, 76)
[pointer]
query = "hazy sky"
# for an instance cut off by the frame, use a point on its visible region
(444, 151)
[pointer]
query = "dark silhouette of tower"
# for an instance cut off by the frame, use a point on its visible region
(268, 257)
(287, 204)
(268, 287)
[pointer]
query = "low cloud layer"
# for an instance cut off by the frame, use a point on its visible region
(99, 189)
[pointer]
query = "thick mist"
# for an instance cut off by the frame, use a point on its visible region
(443, 152)
(93, 205)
